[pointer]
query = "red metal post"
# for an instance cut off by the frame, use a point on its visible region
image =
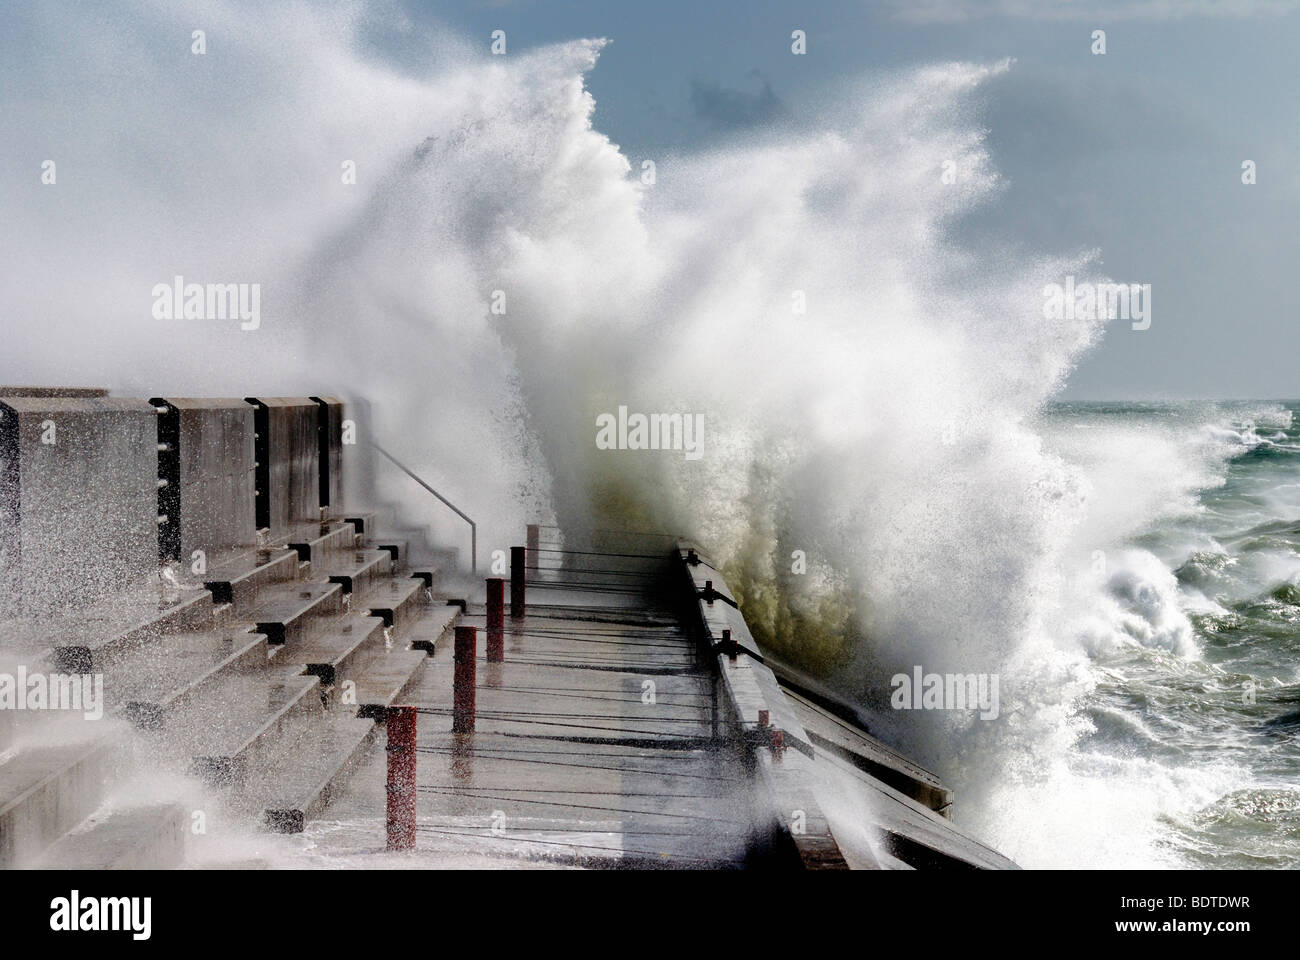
(777, 743)
(400, 725)
(518, 575)
(462, 713)
(534, 540)
(496, 619)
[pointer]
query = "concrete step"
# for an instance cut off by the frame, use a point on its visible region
(398, 547)
(340, 650)
(355, 571)
(332, 535)
(385, 680)
(428, 574)
(241, 580)
(238, 721)
(435, 625)
(433, 577)
(45, 791)
(363, 521)
(296, 784)
(290, 612)
(81, 644)
(442, 558)
(153, 688)
(400, 602)
(149, 837)
(412, 544)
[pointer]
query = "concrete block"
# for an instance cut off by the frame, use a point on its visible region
(210, 469)
(149, 837)
(82, 392)
(48, 790)
(288, 458)
(330, 442)
(78, 499)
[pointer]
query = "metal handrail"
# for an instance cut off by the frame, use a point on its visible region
(473, 527)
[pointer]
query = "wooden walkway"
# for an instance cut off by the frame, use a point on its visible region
(594, 741)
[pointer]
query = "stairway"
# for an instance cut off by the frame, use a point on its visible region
(266, 676)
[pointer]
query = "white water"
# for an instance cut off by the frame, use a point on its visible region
(889, 432)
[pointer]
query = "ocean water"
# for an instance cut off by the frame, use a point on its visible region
(1194, 642)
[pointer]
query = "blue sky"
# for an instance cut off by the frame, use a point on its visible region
(1137, 153)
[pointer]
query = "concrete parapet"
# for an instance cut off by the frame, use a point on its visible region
(288, 462)
(81, 392)
(828, 794)
(329, 437)
(78, 499)
(207, 457)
